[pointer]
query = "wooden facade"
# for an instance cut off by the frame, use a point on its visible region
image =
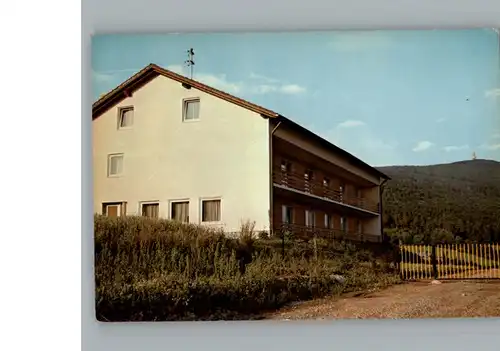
(309, 192)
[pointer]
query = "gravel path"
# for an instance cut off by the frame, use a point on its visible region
(410, 300)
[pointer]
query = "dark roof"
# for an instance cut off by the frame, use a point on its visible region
(326, 144)
(152, 71)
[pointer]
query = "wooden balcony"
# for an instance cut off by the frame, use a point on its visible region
(299, 232)
(318, 188)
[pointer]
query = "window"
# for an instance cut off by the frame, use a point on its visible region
(328, 221)
(210, 211)
(114, 209)
(115, 165)
(125, 117)
(191, 110)
(308, 175)
(326, 187)
(287, 214)
(150, 209)
(286, 166)
(310, 219)
(359, 194)
(286, 169)
(360, 227)
(341, 191)
(179, 211)
(326, 182)
(343, 224)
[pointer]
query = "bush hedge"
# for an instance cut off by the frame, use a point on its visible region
(160, 270)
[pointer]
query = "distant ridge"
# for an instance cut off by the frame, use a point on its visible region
(461, 198)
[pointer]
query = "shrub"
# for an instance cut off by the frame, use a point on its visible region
(152, 270)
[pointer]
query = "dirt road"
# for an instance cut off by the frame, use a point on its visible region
(410, 300)
(485, 274)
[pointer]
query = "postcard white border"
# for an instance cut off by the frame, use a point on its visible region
(40, 255)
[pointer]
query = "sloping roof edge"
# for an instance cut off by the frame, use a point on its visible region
(328, 145)
(152, 71)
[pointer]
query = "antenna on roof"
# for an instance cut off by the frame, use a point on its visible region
(190, 61)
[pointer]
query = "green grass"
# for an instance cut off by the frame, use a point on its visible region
(159, 270)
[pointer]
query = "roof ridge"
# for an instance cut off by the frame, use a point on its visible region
(151, 71)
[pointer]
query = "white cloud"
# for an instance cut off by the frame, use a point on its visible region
(177, 69)
(441, 120)
(273, 85)
(255, 85)
(422, 146)
(107, 76)
(263, 78)
(353, 41)
(495, 136)
(264, 89)
(493, 93)
(100, 77)
(455, 148)
(351, 124)
(292, 89)
(362, 143)
(490, 146)
(221, 82)
(104, 81)
(216, 81)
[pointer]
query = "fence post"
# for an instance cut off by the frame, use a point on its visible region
(282, 242)
(399, 261)
(434, 261)
(315, 246)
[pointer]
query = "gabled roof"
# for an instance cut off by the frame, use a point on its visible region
(152, 71)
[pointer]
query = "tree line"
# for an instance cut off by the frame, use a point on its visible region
(457, 202)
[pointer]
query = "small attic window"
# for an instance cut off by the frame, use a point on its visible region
(125, 117)
(191, 110)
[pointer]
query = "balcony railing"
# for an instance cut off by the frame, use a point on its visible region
(300, 232)
(319, 188)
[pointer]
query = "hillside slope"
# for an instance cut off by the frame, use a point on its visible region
(441, 202)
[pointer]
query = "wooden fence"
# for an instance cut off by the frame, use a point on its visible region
(457, 261)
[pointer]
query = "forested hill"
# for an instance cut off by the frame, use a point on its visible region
(443, 202)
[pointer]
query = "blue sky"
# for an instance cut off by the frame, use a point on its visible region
(388, 97)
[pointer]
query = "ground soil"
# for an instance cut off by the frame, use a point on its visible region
(447, 299)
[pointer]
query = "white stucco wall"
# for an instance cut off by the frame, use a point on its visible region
(223, 155)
